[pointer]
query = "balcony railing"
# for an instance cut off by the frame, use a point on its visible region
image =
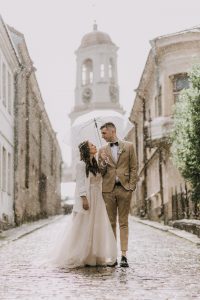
(158, 130)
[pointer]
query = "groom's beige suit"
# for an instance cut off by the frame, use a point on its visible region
(119, 180)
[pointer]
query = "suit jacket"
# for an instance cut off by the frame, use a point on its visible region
(125, 168)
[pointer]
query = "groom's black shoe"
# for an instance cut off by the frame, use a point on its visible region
(124, 262)
(113, 265)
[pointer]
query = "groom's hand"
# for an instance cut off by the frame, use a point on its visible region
(85, 203)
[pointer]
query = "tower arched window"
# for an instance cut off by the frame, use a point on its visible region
(87, 72)
(91, 77)
(102, 71)
(83, 74)
(111, 69)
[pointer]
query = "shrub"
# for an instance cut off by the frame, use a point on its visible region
(186, 133)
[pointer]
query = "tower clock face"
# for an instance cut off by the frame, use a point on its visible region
(87, 95)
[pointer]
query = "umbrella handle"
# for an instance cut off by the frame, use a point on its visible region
(95, 122)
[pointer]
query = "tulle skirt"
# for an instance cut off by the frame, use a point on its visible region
(89, 239)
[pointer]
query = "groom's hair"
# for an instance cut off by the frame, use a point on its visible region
(108, 125)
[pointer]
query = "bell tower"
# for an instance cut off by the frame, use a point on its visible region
(96, 75)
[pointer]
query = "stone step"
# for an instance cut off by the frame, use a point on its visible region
(192, 226)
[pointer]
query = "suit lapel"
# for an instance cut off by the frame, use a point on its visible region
(109, 152)
(121, 149)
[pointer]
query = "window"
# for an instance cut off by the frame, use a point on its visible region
(4, 84)
(180, 82)
(91, 77)
(6, 87)
(102, 71)
(9, 93)
(110, 73)
(9, 174)
(87, 72)
(111, 69)
(83, 75)
(0, 77)
(4, 168)
(0, 168)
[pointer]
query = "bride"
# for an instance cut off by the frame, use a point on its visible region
(89, 240)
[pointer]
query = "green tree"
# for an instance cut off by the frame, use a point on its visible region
(186, 133)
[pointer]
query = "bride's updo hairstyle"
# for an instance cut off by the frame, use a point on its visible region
(85, 156)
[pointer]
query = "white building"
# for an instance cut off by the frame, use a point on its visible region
(161, 192)
(96, 92)
(8, 66)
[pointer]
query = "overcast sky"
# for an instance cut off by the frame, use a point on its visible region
(53, 30)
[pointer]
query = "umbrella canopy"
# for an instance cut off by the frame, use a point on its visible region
(87, 127)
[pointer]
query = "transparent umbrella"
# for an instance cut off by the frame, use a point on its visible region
(87, 127)
(92, 130)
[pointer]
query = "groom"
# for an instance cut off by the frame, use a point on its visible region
(119, 169)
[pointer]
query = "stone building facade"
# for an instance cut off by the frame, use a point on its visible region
(30, 156)
(38, 158)
(161, 191)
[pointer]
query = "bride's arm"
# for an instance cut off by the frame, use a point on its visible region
(81, 183)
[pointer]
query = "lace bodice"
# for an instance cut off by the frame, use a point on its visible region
(95, 179)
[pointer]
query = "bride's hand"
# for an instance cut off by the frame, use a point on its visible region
(104, 157)
(85, 203)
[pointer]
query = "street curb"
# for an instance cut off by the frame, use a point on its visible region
(180, 233)
(31, 227)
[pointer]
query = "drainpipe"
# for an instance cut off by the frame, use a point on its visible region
(16, 133)
(136, 138)
(154, 51)
(29, 72)
(27, 137)
(145, 137)
(161, 181)
(40, 157)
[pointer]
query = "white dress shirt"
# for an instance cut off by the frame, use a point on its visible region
(114, 151)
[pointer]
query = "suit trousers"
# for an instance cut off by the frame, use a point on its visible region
(118, 203)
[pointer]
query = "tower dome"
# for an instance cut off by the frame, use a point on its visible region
(95, 38)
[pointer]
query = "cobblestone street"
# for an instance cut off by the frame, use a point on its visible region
(162, 266)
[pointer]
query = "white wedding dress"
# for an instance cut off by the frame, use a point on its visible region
(89, 240)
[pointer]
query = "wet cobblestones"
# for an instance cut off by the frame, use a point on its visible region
(162, 266)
